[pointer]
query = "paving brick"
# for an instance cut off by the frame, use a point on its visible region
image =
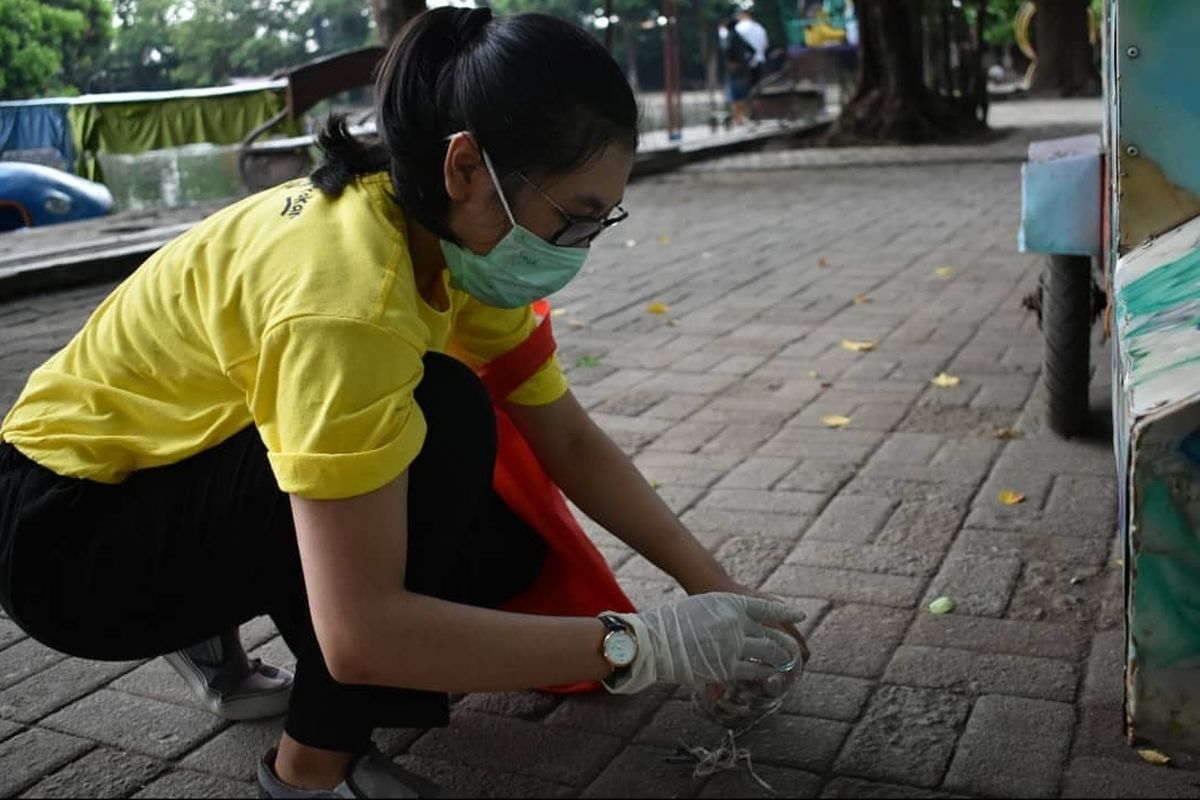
(844, 446)
(864, 558)
(27, 756)
(817, 476)
(760, 472)
(461, 780)
(980, 673)
(857, 640)
(1012, 747)
(750, 559)
(907, 736)
(236, 751)
(688, 436)
(852, 518)
(184, 784)
(23, 659)
(1059, 592)
(826, 696)
(845, 586)
(1098, 777)
(1104, 686)
(100, 773)
(129, 722)
(851, 789)
(979, 585)
(776, 502)
(783, 782)
(157, 680)
(1031, 547)
(555, 754)
(1101, 733)
(744, 438)
(612, 715)
(785, 526)
(55, 687)
(798, 742)
(907, 448)
(641, 771)
(1045, 454)
(1000, 636)
(10, 633)
(525, 705)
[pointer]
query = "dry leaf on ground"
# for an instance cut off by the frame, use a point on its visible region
(946, 381)
(1155, 757)
(860, 346)
(664, 239)
(558, 312)
(1010, 497)
(834, 421)
(658, 308)
(861, 299)
(822, 263)
(944, 272)
(1007, 434)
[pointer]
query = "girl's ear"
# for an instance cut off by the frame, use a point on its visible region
(463, 168)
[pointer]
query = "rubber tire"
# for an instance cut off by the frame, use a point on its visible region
(1067, 326)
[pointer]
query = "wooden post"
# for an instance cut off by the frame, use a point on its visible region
(671, 70)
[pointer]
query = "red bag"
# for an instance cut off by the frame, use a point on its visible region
(575, 579)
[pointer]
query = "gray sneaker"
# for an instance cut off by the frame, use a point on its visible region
(370, 775)
(229, 684)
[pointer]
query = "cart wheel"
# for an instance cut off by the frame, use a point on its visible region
(1067, 325)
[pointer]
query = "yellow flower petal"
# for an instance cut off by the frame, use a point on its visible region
(1154, 757)
(558, 312)
(834, 421)
(658, 308)
(1010, 497)
(944, 272)
(946, 381)
(860, 346)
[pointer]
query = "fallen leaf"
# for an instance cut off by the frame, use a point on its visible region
(558, 312)
(1008, 434)
(655, 485)
(822, 263)
(664, 239)
(826, 384)
(1010, 497)
(1154, 757)
(834, 421)
(588, 361)
(812, 373)
(942, 605)
(860, 347)
(946, 381)
(861, 299)
(658, 308)
(944, 272)
(1120, 562)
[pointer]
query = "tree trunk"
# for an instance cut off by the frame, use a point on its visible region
(892, 101)
(1066, 64)
(708, 54)
(392, 15)
(629, 36)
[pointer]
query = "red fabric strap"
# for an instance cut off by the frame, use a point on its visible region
(504, 375)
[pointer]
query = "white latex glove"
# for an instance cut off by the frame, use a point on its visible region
(708, 638)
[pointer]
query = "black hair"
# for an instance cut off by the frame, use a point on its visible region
(539, 93)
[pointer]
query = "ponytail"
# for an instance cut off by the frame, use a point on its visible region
(539, 93)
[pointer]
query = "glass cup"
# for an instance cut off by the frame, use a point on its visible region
(739, 705)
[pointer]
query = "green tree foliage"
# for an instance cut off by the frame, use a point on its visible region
(50, 45)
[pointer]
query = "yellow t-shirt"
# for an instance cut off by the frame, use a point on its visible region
(291, 311)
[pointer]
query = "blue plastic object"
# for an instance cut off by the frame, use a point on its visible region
(32, 195)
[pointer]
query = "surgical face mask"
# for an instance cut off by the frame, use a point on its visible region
(521, 268)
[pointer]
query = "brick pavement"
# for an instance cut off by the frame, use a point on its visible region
(719, 401)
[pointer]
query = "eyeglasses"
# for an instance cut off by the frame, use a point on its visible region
(577, 231)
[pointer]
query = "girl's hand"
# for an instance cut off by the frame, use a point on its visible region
(725, 583)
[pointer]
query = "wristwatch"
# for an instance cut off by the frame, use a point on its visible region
(620, 649)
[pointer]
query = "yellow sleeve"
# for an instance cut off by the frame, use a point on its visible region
(333, 402)
(482, 333)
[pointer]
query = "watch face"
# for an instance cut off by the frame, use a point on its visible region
(620, 649)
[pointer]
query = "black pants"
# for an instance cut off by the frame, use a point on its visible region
(177, 554)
